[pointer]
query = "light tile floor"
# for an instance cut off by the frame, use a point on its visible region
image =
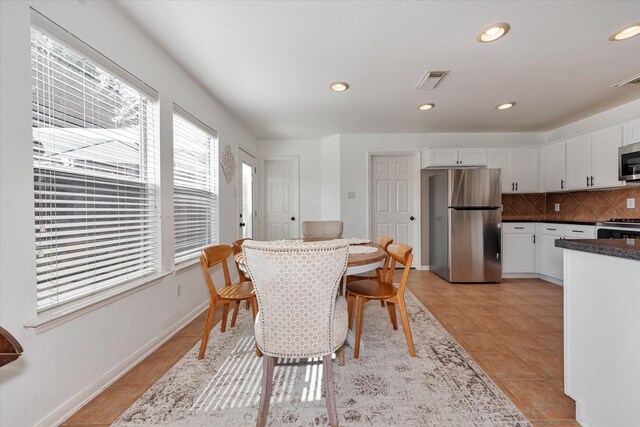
(513, 330)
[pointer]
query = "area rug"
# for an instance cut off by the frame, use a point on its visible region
(441, 386)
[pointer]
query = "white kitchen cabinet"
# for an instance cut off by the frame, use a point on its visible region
(549, 256)
(519, 167)
(454, 157)
(592, 159)
(631, 132)
(550, 262)
(553, 166)
(518, 248)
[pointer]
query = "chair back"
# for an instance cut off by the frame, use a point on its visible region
(237, 248)
(322, 229)
(296, 284)
(383, 242)
(212, 256)
(398, 254)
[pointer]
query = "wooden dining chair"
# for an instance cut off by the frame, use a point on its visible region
(237, 248)
(362, 291)
(230, 293)
(302, 316)
(383, 242)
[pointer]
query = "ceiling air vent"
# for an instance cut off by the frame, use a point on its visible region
(631, 81)
(431, 79)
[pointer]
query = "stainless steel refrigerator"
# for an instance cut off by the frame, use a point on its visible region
(465, 225)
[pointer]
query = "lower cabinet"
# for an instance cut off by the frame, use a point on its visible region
(530, 248)
(550, 260)
(519, 248)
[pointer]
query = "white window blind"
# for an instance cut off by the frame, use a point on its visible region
(95, 165)
(195, 185)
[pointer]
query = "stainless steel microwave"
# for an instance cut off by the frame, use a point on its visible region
(629, 162)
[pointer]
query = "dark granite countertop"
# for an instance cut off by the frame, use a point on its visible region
(620, 248)
(552, 221)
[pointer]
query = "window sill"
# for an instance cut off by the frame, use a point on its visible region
(186, 265)
(54, 317)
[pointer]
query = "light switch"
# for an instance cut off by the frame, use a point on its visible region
(631, 203)
(556, 207)
(351, 195)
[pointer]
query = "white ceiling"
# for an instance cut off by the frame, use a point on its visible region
(270, 63)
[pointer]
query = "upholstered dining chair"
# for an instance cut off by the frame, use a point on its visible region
(322, 229)
(300, 314)
(230, 293)
(362, 291)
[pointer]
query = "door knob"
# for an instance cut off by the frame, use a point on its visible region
(293, 218)
(411, 218)
(242, 224)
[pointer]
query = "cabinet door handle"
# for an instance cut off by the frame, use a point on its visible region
(513, 186)
(534, 239)
(587, 181)
(516, 186)
(562, 184)
(519, 228)
(592, 181)
(577, 231)
(551, 229)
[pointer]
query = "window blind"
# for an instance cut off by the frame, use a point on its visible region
(195, 186)
(95, 166)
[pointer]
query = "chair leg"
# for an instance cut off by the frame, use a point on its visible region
(361, 302)
(407, 328)
(392, 315)
(381, 303)
(254, 306)
(341, 358)
(351, 300)
(328, 387)
(207, 329)
(225, 311)
(235, 313)
(265, 394)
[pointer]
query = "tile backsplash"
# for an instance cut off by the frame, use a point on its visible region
(594, 205)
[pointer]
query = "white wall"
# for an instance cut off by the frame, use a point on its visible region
(62, 367)
(354, 155)
(607, 118)
(330, 173)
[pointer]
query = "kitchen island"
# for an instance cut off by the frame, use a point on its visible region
(602, 330)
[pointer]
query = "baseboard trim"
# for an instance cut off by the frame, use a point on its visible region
(425, 267)
(58, 416)
(532, 276)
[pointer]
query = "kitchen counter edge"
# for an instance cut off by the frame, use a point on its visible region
(551, 221)
(619, 248)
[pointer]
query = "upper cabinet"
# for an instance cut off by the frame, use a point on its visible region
(592, 159)
(631, 132)
(553, 166)
(454, 157)
(519, 168)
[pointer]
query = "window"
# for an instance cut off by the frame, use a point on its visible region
(195, 185)
(94, 160)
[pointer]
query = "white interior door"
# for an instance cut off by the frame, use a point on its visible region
(247, 212)
(281, 199)
(393, 194)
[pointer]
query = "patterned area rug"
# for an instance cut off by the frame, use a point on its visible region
(442, 386)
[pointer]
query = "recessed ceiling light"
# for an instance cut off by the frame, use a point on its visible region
(339, 86)
(625, 32)
(425, 107)
(493, 32)
(506, 105)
